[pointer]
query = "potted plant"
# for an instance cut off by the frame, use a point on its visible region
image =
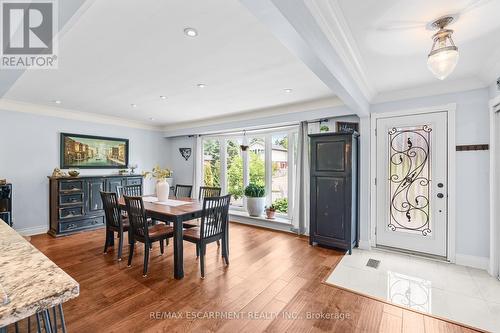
(162, 185)
(270, 211)
(256, 200)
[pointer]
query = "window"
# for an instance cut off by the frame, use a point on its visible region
(279, 185)
(211, 163)
(234, 172)
(269, 161)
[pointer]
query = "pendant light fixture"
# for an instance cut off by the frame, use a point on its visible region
(443, 57)
(244, 144)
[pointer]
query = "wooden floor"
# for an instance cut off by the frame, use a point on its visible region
(272, 275)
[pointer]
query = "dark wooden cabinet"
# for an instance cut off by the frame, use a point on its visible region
(334, 190)
(75, 203)
(6, 203)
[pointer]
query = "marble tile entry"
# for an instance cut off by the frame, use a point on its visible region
(458, 293)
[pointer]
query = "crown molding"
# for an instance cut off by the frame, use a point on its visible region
(42, 110)
(331, 19)
(285, 109)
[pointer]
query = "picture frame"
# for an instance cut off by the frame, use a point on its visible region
(80, 151)
(347, 127)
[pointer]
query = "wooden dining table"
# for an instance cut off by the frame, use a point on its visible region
(176, 215)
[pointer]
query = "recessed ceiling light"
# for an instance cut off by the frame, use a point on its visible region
(57, 101)
(288, 90)
(163, 97)
(133, 105)
(190, 32)
(151, 118)
(201, 85)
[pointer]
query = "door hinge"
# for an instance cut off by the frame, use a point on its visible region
(375, 231)
(375, 132)
(375, 181)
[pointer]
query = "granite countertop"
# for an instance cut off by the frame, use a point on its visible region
(29, 281)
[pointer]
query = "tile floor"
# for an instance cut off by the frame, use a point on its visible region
(459, 293)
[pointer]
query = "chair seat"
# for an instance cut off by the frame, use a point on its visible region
(192, 234)
(188, 225)
(160, 230)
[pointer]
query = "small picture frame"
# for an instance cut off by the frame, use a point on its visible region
(347, 127)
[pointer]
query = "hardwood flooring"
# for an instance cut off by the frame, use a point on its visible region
(274, 280)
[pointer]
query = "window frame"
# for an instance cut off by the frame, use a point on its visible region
(267, 134)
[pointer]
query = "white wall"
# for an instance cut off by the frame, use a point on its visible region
(494, 90)
(472, 168)
(29, 151)
(183, 170)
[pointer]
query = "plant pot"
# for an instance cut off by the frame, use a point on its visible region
(270, 214)
(162, 190)
(255, 206)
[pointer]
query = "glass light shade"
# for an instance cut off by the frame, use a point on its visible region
(442, 62)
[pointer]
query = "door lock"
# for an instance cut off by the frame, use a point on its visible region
(440, 195)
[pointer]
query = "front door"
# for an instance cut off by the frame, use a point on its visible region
(412, 184)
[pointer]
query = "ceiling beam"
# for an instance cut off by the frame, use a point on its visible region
(293, 24)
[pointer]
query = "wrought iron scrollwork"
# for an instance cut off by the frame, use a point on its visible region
(409, 170)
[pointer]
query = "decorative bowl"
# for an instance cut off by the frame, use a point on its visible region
(73, 173)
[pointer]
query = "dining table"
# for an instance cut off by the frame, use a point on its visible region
(175, 211)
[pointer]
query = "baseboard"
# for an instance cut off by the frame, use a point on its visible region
(42, 229)
(364, 244)
(472, 261)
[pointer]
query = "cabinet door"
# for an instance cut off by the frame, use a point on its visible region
(94, 197)
(113, 183)
(330, 207)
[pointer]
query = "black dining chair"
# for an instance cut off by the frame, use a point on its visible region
(213, 227)
(130, 190)
(115, 222)
(208, 192)
(183, 191)
(142, 231)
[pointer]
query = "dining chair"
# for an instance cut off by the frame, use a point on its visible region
(213, 227)
(183, 191)
(115, 222)
(142, 231)
(208, 191)
(130, 190)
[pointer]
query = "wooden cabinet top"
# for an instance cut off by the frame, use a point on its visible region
(95, 176)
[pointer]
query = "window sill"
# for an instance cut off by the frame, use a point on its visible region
(278, 223)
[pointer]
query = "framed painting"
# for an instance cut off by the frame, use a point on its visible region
(93, 152)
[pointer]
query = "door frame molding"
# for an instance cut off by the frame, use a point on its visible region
(451, 163)
(494, 266)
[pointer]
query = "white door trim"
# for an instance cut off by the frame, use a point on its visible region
(450, 110)
(494, 263)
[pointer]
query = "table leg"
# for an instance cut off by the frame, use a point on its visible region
(178, 250)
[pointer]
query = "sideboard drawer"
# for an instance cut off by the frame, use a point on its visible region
(70, 212)
(134, 181)
(81, 224)
(71, 185)
(71, 199)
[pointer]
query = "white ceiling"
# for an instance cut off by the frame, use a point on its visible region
(123, 52)
(387, 42)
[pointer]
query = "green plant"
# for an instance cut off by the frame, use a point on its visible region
(324, 128)
(281, 205)
(271, 208)
(255, 191)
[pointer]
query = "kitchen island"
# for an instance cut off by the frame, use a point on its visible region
(31, 284)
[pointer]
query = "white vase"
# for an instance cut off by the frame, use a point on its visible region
(162, 190)
(255, 206)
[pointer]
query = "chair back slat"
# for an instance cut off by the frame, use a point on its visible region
(183, 191)
(137, 216)
(215, 216)
(208, 192)
(132, 190)
(111, 208)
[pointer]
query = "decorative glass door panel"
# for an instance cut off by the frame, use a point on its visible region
(409, 178)
(412, 183)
